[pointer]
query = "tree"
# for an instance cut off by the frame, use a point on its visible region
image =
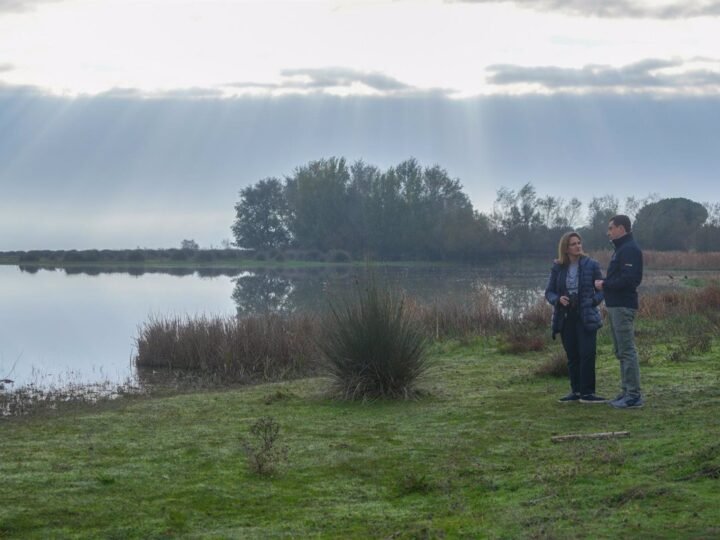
(261, 216)
(513, 211)
(318, 195)
(633, 204)
(189, 245)
(555, 213)
(669, 224)
(600, 211)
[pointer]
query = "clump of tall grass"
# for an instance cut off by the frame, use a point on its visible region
(681, 302)
(373, 347)
(519, 337)
(263, 347)
(554, 365)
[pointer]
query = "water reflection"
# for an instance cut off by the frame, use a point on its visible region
(317, 289)
(262, 293)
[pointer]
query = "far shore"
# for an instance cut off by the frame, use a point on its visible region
(234, 259)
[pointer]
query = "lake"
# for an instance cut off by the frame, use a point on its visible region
(78, 326)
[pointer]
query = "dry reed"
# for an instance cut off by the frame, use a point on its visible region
(266, 347)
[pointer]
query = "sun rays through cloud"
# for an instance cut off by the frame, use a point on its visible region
(113, 113)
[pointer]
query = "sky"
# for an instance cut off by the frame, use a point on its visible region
(135, 123)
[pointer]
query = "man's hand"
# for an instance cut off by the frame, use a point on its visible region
(599, 284)
(564, 300)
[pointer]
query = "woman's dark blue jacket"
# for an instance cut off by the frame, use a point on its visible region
(588, 297)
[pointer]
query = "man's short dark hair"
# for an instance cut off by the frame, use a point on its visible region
(622, 220)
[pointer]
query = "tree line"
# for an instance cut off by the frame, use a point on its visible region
(414, 212)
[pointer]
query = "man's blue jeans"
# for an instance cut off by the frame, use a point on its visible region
(622, 326)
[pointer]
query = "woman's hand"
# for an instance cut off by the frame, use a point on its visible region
(564, 300)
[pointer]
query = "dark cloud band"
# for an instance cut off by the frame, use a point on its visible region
(649, 74)
(631, 9)
(331, 78)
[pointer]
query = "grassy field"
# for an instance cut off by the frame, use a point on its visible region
(472, 458)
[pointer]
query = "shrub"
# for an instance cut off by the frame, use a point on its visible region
(518, 337)
(136, 255)
(554, 366)
(373, 348)
(30, 256)
(338, 256)
(264, 453)
(178, 254)
(313, 255)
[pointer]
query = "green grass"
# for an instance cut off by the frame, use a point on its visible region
(473, 458)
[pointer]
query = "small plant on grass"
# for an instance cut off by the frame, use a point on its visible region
(413, 483)
(521, 338)
(645, 352)
(265, 455)
(553, 366)
(373, 348)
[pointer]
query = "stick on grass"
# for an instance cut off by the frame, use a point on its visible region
(575, 436)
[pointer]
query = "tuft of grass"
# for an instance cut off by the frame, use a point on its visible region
(415, 484)
(554, 365)
(519, 338)
(372, 347)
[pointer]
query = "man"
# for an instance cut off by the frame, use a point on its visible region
(620, 289)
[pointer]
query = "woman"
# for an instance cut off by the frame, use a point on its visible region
(571, 290)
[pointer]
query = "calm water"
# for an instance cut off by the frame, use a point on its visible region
(59, 328)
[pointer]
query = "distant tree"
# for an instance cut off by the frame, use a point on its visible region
(633, 204)
(669, 224)
(262, 216)
(318, 195)
(556, 213)
(516, 210)
(600, 211)
(189, 244)
(713, 210)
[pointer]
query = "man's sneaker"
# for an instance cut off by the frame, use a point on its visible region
(628, 403)
(619, 397)
(570, 398)
(592, 398)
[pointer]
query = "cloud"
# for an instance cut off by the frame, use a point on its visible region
(14, 6)
(6, 67)
(95, 156)
(631, 9)
(343, 77)
(338, 78)
(648, 75)
(15, 90)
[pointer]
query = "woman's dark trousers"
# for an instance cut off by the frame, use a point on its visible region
(580, 347)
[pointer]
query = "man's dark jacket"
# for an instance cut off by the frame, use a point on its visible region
(624, 274)
(588, 297)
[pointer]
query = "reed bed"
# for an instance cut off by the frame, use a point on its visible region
(259, 348)
(682, 302)
(285, 346)
(479, 315)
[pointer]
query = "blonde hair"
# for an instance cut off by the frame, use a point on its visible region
(563, 247)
